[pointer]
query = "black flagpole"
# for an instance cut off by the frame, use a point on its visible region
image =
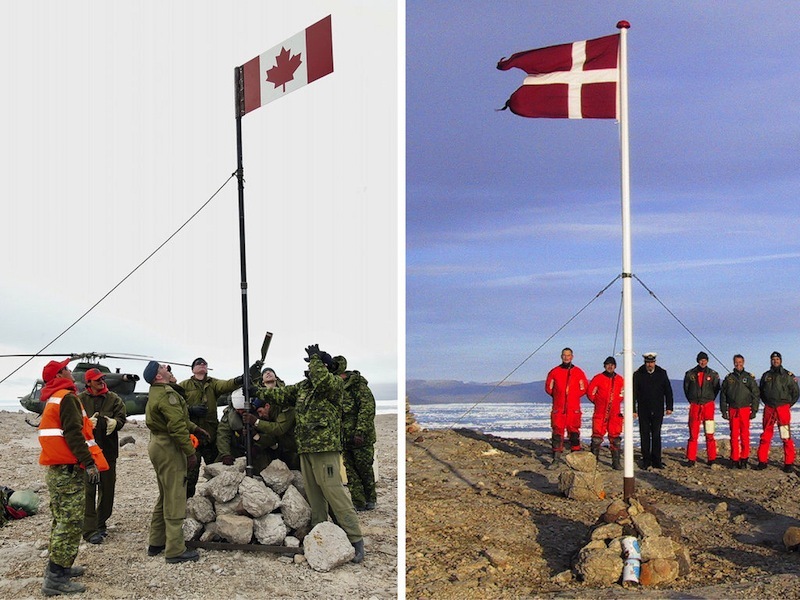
(239, 91)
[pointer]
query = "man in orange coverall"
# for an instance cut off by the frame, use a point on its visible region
(566, 384)
(605, 392)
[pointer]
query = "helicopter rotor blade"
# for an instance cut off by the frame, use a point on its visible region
(95, 355)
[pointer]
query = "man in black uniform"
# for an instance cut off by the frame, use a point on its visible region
(652, 399)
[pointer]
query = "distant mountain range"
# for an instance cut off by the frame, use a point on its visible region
(446, 391)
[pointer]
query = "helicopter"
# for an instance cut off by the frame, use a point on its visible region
(122, 384)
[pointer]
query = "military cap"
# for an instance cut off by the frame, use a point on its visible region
(150, 371)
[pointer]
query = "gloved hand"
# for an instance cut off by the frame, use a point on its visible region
(111, 425)
(202, 435)
(238, 380)
(191, 462)
(249, 418)
(227, 460)
(255, 369)
(327, 360)
(311, 351)
(725, 415)
(93, 419)
(753, 413)
(357, 441)
(93, 473)
(198, 412)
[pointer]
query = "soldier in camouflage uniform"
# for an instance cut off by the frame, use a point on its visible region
(108, 417)
(202, 393)
(318, 430)
(358, 435)
(275, 427)
(65, 448)
(171, 451)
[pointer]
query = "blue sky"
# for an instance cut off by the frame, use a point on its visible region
(514, 224)
(118, 124)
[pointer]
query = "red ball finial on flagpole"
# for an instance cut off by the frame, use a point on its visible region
(623, 25)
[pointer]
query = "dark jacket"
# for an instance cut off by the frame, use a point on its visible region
(697, 394)
(778, 386)
(652, 392)
(110, 406)
(739, 389)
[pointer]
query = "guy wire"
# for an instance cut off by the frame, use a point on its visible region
(136, 268)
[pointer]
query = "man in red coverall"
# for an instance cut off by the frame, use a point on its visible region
(605, 392)
(566, 384)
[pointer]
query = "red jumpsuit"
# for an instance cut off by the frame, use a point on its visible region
(605, 392)
(566, 384)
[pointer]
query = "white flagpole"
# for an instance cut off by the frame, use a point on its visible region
(627, 273)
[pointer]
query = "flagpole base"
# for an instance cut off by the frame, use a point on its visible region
(628, 487)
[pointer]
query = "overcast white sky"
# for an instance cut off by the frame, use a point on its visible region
(117, 123)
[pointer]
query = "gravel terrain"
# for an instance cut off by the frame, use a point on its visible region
(485, 519)
(120, 567)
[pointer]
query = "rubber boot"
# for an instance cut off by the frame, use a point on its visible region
(595, 447)
(56, 581)
(615, 464)
(574, 442)
(556, 460)
(359, 548)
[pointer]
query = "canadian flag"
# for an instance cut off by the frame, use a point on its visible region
(299, 60)
(569, 81)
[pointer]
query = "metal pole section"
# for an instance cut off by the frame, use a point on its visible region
(239, 100)
(628, 485)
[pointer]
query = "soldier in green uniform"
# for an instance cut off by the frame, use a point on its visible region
(65, 448)
(108, 417)
(172, 453)
(358, 435)
(202, 393)
(318, 410)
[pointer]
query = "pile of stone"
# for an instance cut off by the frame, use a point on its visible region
(582, 481)
(268, 509)
(412, 427)
(600, 562)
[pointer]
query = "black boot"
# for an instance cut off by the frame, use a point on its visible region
(595, 447)
(359, 548)
(556, 460)
(615, 464)
(56, 581)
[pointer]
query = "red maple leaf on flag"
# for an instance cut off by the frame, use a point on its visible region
(283, 71)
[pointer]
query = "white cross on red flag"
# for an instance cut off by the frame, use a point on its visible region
(299, 60)
(569, 81)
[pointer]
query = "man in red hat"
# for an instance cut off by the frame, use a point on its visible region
(108, 417)
(68, 447)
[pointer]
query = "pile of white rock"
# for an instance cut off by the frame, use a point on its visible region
(601, 560)
(268, 509)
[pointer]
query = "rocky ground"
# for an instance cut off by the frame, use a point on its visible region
(485, 519)
(120, 567)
